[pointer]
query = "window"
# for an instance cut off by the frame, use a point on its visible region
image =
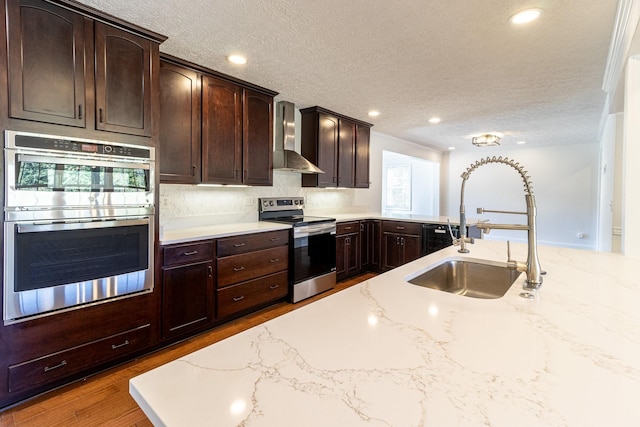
(398, 187)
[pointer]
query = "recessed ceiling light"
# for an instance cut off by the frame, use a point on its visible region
(452, 148)
(525, 16)
(237, 59)
(374, 113)
(434, 120)
(521, 142)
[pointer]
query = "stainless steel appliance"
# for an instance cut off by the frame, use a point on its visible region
(78, 223)
(313, 243)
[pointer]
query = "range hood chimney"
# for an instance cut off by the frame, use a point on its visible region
(284, 156)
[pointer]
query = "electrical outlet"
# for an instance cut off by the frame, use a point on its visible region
(248, 201)
(582, 235)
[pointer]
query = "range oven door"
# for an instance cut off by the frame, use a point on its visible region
(63, 265)
(314, 251)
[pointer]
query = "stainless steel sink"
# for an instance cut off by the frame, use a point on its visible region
(468, 277)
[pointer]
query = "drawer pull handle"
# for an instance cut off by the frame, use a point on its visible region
(273, 239)
(190, 253)
(239, 245)
(347, 228)
(210, 270)
(274, 260)
(399, 228)
(59, 365)
(240, 298)
(236, 269)
(116, 346)
(440, 231)
(272, 287)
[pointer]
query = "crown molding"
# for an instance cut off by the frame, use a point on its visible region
(627, 18)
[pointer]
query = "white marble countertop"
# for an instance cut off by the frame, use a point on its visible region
(204, 232)
(214, 231)
(389, 353)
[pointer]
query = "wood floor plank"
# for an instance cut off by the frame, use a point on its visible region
(104, 400)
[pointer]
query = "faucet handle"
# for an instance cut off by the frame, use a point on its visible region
(453, 239)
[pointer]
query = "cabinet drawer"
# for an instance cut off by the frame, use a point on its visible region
(188, 253)
(238, 268)
(56, 366)
(401, 227)
(236, 298)
(347, 227)
(252, 242)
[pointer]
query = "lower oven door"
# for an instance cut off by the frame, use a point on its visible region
(60, 266)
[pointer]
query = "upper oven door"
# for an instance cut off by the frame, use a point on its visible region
(44, 181)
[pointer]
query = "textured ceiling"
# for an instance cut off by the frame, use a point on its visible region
(459, 60)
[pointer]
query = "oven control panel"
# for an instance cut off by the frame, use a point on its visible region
(272, 204)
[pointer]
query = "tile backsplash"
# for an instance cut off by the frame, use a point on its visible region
(184, 206)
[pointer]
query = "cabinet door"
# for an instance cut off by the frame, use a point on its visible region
(362, 156)
(46, 63)
(341, 257)
(188, 300)
(375, 245)
(257, 140)
(366, 251)
(123, 81)
(221, 131)
(353, 254)
(392, 254)
(327, 150)
(179, 124)
(410, 248)
(346, 153)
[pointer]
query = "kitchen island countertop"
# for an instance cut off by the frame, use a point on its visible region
(389, 353)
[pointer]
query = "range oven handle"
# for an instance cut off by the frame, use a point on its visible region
(314, 229)
(70, 160)
(79, 225)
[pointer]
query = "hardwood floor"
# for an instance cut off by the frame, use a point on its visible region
(104, 400)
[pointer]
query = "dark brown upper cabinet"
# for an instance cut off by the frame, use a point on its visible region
(221, 131)
(65, 68)
(179, 150)
(46, 63)
(123, 76)
(257, 138)
(330, 140)
(235, 127)
(362, 156)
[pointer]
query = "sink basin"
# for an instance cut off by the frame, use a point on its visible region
(469, 277)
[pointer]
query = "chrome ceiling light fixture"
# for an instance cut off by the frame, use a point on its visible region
(486, 140)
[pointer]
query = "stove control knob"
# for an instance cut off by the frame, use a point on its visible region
(265, 203)
(270, 202)
(300, 202)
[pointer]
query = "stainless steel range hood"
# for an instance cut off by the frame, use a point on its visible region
(284, 157)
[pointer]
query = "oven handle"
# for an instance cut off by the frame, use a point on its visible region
(314, 230)
(80, 225)
(68, 160)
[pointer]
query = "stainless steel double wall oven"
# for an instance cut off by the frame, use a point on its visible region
(78, 223)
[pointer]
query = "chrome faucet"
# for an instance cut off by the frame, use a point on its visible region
(532, 265)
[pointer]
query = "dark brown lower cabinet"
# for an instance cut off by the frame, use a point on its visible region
(401, 243)
(188, 288)
(347, 249)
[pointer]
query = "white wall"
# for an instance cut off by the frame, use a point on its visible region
(372, 198)
(565, 184)
(425, 184)
(630, 156)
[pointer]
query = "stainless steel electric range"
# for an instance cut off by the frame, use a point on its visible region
(313, 245)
